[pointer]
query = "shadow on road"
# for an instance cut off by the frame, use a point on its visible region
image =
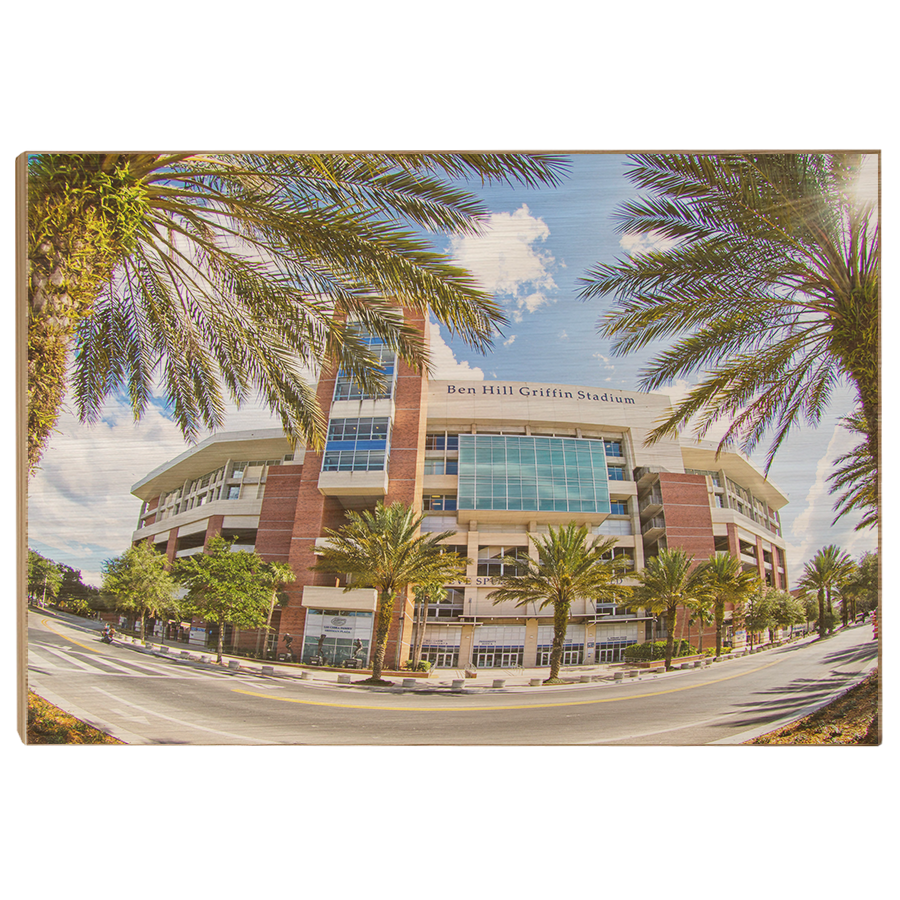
(801, 693)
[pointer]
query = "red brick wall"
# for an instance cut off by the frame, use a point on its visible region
(405, 476)
(687, 513)
(278, 512)
(292, 501)
(689, 526)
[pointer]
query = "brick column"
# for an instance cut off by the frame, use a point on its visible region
(405, 476)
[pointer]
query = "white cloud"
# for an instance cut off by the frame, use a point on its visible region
(812, 528)
(635, 244)
(505, 259)
(443, 361)
(509, 342)
(605, 362)
(80, 507)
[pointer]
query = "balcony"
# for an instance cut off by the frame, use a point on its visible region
(354, 484)
(652, 504)
(653, 529)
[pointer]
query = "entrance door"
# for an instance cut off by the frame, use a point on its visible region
(484, 657)
(510, 659)
(444, 659)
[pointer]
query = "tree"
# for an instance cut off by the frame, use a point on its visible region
(567, 568)
(225, 587)
(425, 594)
(861, 587)
(702, 614)
(382, 549)
(725, 581)
(788, 611)
(44, 578)
(276, 575)
(758, 613)
(667, 583)
(207, 272)
(824, 573)
(770, 285)
(77, 597)
(141, 583)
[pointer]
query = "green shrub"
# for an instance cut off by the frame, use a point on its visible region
(657, 650)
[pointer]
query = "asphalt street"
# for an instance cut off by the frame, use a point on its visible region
(145, 698)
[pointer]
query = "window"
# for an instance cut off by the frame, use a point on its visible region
(491, 561)
(510, 472)
(616, 473)
(614, 526)
(450, 607)
(358, 429)
(356, 445)
(439, 502)
(618, 508)
(613, 448)
(234, 492)
(441, 467)
(346, 388)
(441, 441)
(353, 461)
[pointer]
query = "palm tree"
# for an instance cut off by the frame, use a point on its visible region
(770, 284)
(702, 614)
(857, 476)
(276, 575)
(210, 272)
(667, 583)
(425, 595)
(567, 568)
(382, 549)
(725, 581)
(824, 574)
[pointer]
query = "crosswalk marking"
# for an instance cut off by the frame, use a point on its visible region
(41, 661)
(68, 658)
(120, 668)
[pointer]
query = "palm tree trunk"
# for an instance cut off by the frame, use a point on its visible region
(720, 625)
(560, 625)
(821, 623)
(420, 632)
(268, 622)
(143, 624)
(671, 616)
(382, 627)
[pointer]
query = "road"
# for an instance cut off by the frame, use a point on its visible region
(144, 699)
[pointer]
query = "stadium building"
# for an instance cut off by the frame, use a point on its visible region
(492, 461)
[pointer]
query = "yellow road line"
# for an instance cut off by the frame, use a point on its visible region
(46, 623)
(526, 706)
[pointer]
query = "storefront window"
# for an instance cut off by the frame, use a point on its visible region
(337, 637)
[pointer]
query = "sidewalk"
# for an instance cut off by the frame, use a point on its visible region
(455, 680)
(442, 680)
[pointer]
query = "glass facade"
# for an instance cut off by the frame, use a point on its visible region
(346, 388)
(356, 445)
(511, 472)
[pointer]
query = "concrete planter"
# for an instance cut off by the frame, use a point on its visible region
(661, 663)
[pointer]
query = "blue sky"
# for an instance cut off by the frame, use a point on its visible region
(534, 247)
